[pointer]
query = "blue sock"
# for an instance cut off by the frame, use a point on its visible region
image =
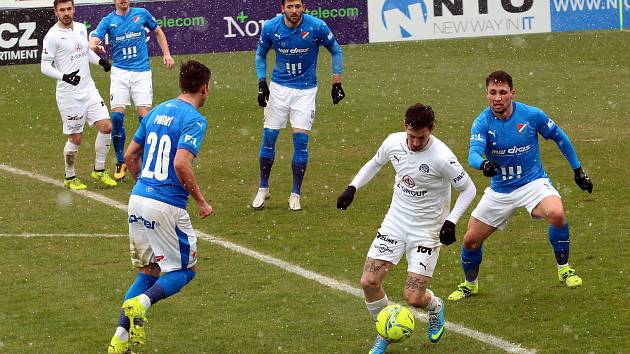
(141, 284)
(471, 259)
(169, 284)
(300, 159)
(267, 155)
(118, 135)
(559, 239)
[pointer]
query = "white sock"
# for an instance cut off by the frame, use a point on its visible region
(69, 157)
(101, 148)
(122, 333)
(145, 301)
(562, 265)
(434, 304)
(376, 306)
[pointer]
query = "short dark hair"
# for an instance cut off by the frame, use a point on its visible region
(420, 116)
(57, 2)
(193, 76)
(284, 2)
(499, 77)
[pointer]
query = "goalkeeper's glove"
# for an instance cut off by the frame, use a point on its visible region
(263, 93)
(346, 198)
(105, 64)
(489, 168)
(582, 180)
(447, 233)
(337, 93)
(72, 78)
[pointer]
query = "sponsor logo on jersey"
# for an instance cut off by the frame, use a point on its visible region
(520, 127)
(424, 168)
(386, 239)
(294, 50)
(411, 192)
(511, 151)
(408, 181)
(383, 248)
(459, 177)
(129, 35)
(305, 34)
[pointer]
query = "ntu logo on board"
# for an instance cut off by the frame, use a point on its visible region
(404, 15)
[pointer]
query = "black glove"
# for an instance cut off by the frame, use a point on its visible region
(263, 93)
(447, 233)
(346, 198)
(582, 180)
(489, 168)
(105, 64)
(72, 78)
(337, 93)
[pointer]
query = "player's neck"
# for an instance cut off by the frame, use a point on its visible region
(505, 115)
(193, 99)
(62, 26)
(292, 25)
(123, 12)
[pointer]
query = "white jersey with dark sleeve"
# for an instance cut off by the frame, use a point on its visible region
(64, 51)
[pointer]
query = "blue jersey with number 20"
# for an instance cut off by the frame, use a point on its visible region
(128, 38)
(172, 125)
(513, 144)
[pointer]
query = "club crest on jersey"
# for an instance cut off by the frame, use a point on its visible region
(136, 18)
(408, 181)
(78, 47)
(424, 168)
(305, 34)
(520, 127)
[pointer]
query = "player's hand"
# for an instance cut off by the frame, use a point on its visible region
(168, 61)
(447, 233)
(204, 209)
(72, 78)
(263, 93)
(346, 198)
(582, 180)
(489, 168)
(98, 49)
(105, 64)
(337, 93)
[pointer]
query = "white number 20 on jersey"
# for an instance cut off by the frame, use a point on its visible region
(162, 158)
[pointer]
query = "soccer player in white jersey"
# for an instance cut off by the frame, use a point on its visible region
(162, 239)
(506, 132)
(419, 219)
(131, 67)
(295, 38)
(66, 58)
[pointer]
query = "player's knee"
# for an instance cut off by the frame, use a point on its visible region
(300, 148)
(471, 242)
(104, 127)
(151, 269)
(75, 139)
(369, 282)
(556, 218)
(268, 144)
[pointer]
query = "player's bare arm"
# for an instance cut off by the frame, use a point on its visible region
(133, 157)
(95, 45)
(185, 174)
(167, 59)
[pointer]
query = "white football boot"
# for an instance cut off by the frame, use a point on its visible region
(294, 202)
(261, 196)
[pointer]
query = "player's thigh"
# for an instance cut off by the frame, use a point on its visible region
(139, 245)
(303, 108)
(276, 114)
(119, 88)
(72, 111)
(142, 89)
(495, 209)
(96, 109)
(386, 250)
(542, 200)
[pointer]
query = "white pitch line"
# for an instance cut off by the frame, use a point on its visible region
(61, 235)
(292, 268)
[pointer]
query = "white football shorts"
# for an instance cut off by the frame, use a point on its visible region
(391, 246)
(496, 209)
(126, 85)
(286, 103)
(78, 107)
(160, 233)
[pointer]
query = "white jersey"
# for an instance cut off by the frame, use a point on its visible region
(422, 186)
(67, 49)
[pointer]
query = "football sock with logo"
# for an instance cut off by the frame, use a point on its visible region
(119, 135)
(101, 148)
(169, 284)
(300, 159)
(433, 305)
(559, 239)
(376, 306)
(69, 156)
(141, 284)
(471, 259)
(267, 154)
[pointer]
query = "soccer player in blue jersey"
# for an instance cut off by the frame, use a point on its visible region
(296, 38)
(131, 68)
(507, 134)
(162, 239)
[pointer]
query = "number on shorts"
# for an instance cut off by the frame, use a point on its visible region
(294, 68)
(130, 52)
(511, 172)
(162, 159)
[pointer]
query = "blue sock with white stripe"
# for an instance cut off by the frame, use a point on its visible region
(141, 284)
(471, 259)
(119, 135)
(559, 239)
(300, 159)
(169, 284)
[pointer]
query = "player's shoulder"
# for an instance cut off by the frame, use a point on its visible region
(525, 108)
(79, 27)
(395, 140)
(272, 23)
(310, 19)
(138, 11)
(52, 31)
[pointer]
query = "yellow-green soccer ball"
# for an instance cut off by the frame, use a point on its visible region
(395, 323)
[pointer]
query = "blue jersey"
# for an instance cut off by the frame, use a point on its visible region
(128, 37)
(172, 125)
(513, 144)
(296, 51)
